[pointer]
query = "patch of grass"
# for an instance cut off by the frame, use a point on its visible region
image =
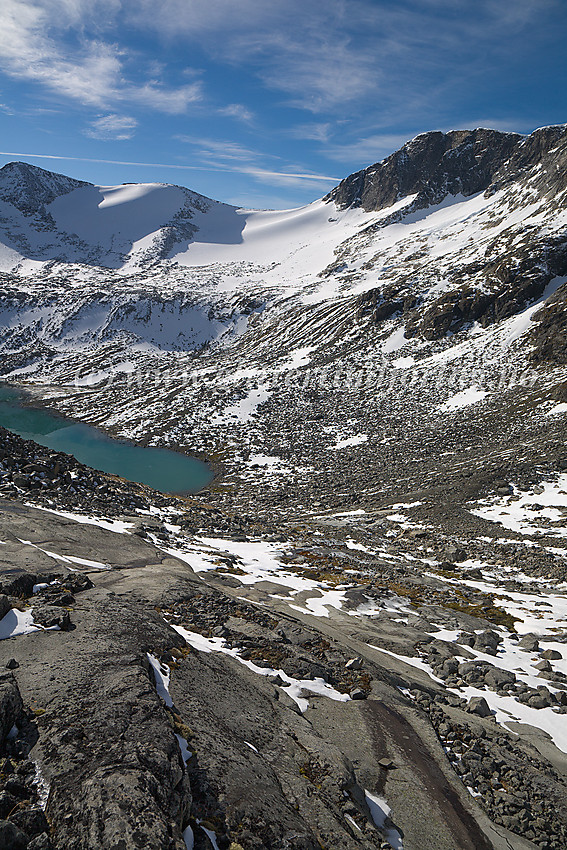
(353, 680)
(414, 593)
(235, 571)
(313, 772)
(446, 573)
(182, 728)
(489, 612)
(325, 568)
(269, 656)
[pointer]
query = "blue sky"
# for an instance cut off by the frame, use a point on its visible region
(266, 103)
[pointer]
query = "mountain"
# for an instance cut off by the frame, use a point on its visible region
(363, 618)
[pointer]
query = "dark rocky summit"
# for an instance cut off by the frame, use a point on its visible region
(431, 166)
(29, 188)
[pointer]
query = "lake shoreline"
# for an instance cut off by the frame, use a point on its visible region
(98, 447)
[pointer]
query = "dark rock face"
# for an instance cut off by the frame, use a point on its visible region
(549, 336)
(432, 166)
(29, 188)
(12, 838)
(530, 173)
(533, 150)
(11, 707)
(111, 737)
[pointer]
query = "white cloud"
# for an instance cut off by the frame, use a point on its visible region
(266, 174)
(222, 149)
(238, 111)
(117, 127)
(339, 54)
(312, 132)
(33, 47)
(370, 149)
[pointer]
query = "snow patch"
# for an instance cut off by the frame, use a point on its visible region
(465, 398)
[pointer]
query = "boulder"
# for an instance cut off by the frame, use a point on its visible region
(541, 699)
(529, 642)
(357, 693)
(496, 678)
(487, 641)
(51, 615)
(5, 605)
(479, 706)
(11, 706)
(12, 838)
(31, 821)
(551, 655)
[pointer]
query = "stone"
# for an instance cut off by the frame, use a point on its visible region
(357, 693)
(12, 664)
(354, 663)
(11, 706)
(31, 821)
(449, 666)
(40, 842)
(386, 764)
(479, 706)
(487, 641)
(5, 605)
(12, 838)
(7, 803)
(455, 554)
(466, 639)
(18, 582)
(529, 642)
(495, 677)
(17, 788)
(50, 615)
(551, 655)
(541, 699)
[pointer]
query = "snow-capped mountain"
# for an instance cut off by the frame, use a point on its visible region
(443, 252)
(453, 228)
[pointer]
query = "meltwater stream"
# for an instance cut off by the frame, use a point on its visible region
(168, 471)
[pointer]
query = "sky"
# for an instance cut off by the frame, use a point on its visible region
(266, 103)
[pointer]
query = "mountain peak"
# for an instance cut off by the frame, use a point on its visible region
(431, 166)
(29, 187)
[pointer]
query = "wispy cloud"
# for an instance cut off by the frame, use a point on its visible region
(116, 127)
(42, 43)
(260, 173)
(322, 57)
(339, 53)
(222, 149)
(230, 156)
(369, 149)
(317, 132)
(238, 111)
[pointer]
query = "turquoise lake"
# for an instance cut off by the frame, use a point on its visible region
(168, 471)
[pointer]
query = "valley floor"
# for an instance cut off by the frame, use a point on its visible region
(232, 670)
